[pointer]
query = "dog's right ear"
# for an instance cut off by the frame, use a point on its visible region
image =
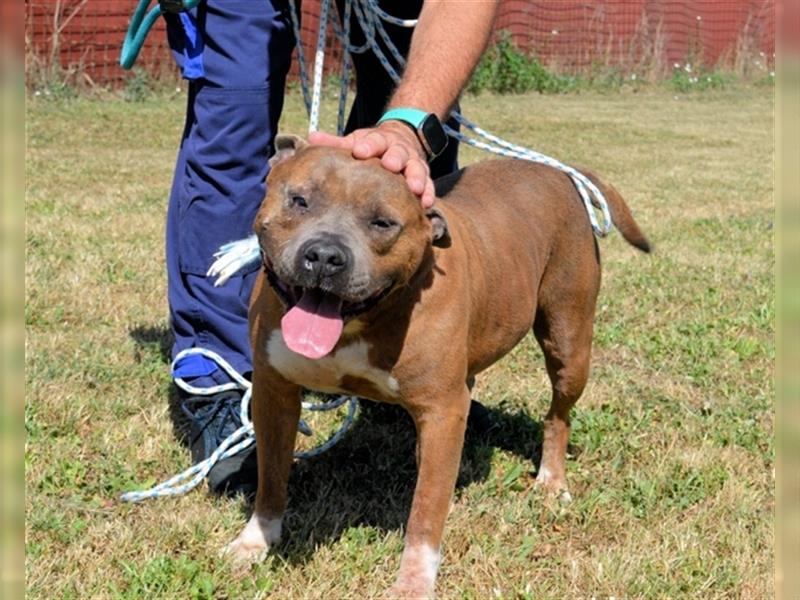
(441, 232)
(286, 145)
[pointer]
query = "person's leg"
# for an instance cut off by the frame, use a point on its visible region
(238, 64)
(219, 181)
(218, 189)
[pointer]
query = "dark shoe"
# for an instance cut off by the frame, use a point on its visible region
(209, 420)
(480, 420)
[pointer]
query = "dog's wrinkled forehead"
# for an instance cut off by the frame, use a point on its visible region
(321, 182)
(335, 175)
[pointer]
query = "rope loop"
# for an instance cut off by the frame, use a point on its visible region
(243, 437)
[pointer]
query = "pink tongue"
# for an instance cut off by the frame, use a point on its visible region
(313, 326)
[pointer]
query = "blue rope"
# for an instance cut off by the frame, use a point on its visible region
(346, 64)
(301, 55)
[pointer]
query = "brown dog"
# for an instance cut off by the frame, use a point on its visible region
(363, 292)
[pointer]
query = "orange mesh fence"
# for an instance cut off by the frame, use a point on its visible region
(577, 35)
(570, 35)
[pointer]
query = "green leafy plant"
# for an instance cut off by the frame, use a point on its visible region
(505, 69)
(687, 77)
(138, 87)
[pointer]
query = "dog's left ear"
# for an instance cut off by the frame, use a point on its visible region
(286, 146)
(441, 233)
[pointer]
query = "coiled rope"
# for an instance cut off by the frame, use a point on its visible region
(243, 437)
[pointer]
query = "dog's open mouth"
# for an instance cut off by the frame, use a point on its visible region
(315, 318)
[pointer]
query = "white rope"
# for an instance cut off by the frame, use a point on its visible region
(234, 257)
(243, 437)
(319, 64)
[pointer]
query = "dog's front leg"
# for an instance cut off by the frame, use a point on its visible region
(440, 439)
(275, 409)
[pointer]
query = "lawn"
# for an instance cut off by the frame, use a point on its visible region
(671, 461)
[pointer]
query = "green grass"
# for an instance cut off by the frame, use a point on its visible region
(671, 458)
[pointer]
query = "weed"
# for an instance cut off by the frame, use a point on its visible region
(504, 69)
(170, 576)
(138, 87)
(766, 80)
(50, 80)
(687, 77)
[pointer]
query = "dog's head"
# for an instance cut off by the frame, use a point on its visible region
(338, 235)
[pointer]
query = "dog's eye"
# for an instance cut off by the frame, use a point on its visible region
(299, 202)
(382, 224)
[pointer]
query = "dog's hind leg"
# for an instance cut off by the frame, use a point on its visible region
(563, 327)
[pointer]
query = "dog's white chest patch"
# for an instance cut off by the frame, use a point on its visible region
(326, 374)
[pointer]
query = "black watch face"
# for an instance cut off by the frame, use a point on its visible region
(434, 134)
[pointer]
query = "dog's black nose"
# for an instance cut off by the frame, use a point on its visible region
(324, 257)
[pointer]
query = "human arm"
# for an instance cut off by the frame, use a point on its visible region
(448, 41)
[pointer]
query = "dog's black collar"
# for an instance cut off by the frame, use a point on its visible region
(353, 310)
(276, 285)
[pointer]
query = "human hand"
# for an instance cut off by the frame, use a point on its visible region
(398, 148)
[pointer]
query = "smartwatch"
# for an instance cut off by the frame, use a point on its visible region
(426, 126)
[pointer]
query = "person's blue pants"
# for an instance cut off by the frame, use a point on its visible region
(237, 67)
(236, 55)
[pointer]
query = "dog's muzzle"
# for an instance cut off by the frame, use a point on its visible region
(323, 257)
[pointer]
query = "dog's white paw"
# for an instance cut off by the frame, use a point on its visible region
(417, 575)
(243, 553)
(253, 543)
(409, 590)
(555, 486)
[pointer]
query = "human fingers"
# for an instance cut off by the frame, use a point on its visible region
(429, 194)
(417, 175)
(372, 143)
(395, 158)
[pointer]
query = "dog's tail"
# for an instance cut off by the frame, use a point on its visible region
(620, 213)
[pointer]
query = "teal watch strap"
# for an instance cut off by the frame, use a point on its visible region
(412, 116)
(426, 127)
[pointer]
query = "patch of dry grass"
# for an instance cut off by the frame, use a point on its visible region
(671, 458)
